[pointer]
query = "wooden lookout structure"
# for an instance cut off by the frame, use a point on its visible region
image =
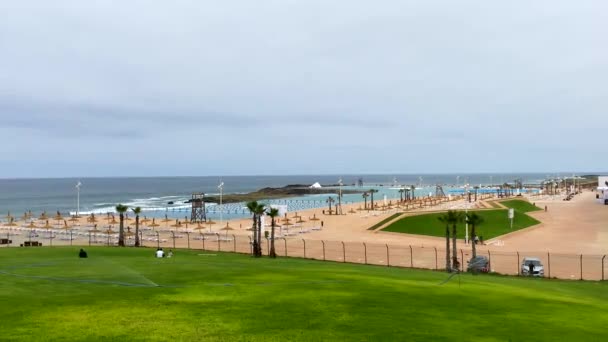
(199, 213)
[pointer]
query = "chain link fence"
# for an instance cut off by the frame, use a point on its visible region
(556, 265)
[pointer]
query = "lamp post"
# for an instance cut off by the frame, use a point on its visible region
(221, 187)
(340, 195)
(466, 215)
(78, 185)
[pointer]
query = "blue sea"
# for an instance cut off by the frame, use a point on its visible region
(153, 195)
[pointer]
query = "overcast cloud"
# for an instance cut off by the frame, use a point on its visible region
(124, 88)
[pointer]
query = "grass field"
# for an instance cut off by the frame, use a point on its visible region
(381, 223)
(520, 206)
(127, 295)
(495, 223)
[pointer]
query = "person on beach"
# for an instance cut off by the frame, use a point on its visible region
(160, 253)
(170, 254)
(82, 254)
(531, 269)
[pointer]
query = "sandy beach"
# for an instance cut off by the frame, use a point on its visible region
(568, 228)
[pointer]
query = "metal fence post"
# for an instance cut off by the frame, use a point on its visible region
(173, 237)
(285, 240)
(388, 257)
(250, 245)
(89, 238)
(71, 239)
(518, 268)
(581, 267)
(436, 265)
(549, 263)
(157, 240)
(462, 258)
(411, 257)
(304, 242)
(234, 242)
(604, 257)
(204, 238)
(188, 235)
(218, 242)
(267, 246)
(343, 252)
(489, 261)
(323, 243)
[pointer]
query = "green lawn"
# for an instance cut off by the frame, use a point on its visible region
(127, 295)
(520, 206)
(495, 223)
(379, 224)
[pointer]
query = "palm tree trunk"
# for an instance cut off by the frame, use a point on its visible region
(255, 236)
(260, 234)
(121, 231)
(136, 230)
(454, 251)
(473, 247)
(272, 253)
(447, 248)
(365, 205)
(372, 201)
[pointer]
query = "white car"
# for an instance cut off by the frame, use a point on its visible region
(532, 267)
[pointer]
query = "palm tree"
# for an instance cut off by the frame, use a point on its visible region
(372, 192)
(329, 201)
(121, 210)
(260, 210)
(455, 218)
(137, 211)
(252, 206)
(273, 212)
(401, 191)
(446, 220)
(365, 196)
(413, 191)
(474, 220)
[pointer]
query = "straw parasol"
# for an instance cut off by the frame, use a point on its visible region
(32, 225)
(177, 225)
(11, 223)
(9, 216)
(210, 223)
(300, 221)
(352, 211)
(199, 226)
(154, 224)
(92, 218)
(66, 226)
(74, 219)
(47, 225)
(145, 220)
(43, 216)
(314, 218)
(227, 228)
(94, 230)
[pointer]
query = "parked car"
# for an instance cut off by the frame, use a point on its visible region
(532, 267)
(478, 264)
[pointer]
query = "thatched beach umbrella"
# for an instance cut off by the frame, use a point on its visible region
(32, 225)
(145, 220)
(154, 224)
(177, 225)
(301, 221)
(352, 211)
(210, 223)
(74, 219)
(92, 218)
(227, 228)
(47, 225)
(43, 216)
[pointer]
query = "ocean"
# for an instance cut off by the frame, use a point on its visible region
(100, 195)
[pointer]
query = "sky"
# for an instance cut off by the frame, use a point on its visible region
(168, 88)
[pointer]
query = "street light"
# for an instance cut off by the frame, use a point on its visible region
(78, 185)
(221, 187)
